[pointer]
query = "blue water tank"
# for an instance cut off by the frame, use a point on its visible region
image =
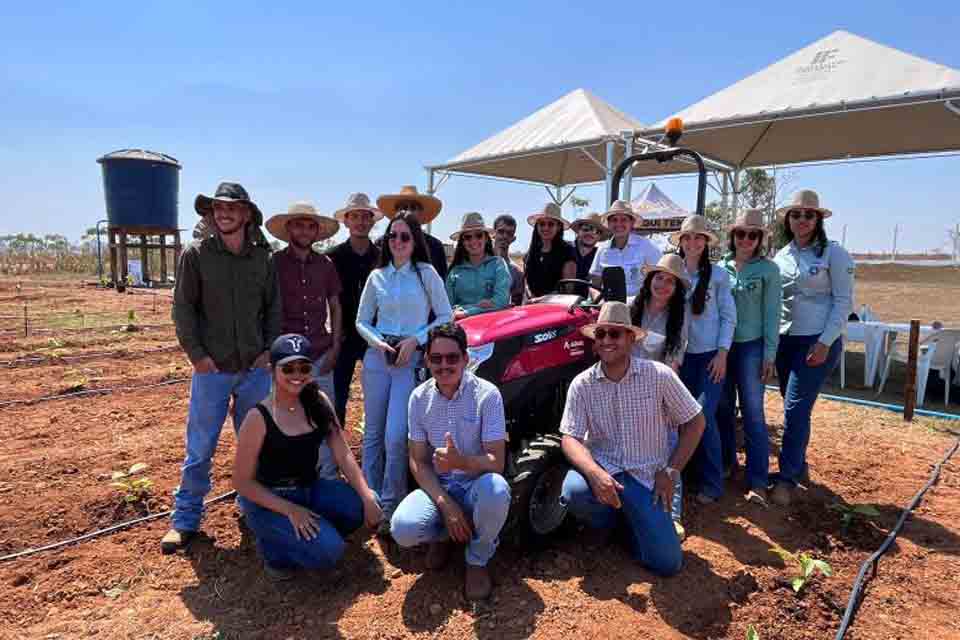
(141, 189)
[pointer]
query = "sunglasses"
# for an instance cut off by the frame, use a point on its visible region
(439, 358)
(546, 224)
(303, 368)
(740, 234)
(409, 206)
(613, 334)
(402, 236)
(802, 214)
(467, 237)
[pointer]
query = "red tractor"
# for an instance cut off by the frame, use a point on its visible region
(532, 353)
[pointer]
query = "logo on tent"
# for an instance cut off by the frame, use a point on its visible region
(825, 60)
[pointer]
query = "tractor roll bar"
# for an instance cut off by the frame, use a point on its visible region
(663, 156)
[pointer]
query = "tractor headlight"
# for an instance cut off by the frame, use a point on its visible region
(478, 355)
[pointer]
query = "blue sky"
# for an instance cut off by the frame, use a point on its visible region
(316, 100)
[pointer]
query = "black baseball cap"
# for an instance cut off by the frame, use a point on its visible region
(289, 347)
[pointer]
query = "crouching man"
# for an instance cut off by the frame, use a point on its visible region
(457, 446)
(615, 428)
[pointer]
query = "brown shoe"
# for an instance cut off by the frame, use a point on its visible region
(437, 554)
(174, 540)
(477, 583)
(782, 494)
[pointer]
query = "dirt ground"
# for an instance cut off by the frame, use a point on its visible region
(57, 457)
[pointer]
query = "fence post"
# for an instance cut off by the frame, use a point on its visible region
(26, 328)
(910, 388)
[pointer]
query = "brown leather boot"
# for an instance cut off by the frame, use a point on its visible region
(437, 554)
(174, 540)
(477, 583)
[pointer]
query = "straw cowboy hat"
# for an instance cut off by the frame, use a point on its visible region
(597, 221)
(614, 314)
(670, 263)
(228, 192)
(358, 202)
(472, 221)
(550, 210)
(804, 199)
(408, 193)
(749, 220)
(277, 224)
(693, 224)
(622, 208)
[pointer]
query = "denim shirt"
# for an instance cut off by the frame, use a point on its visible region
(817, 291)
(401, 303)
(757, 292)
(713, 329)
(468, 284)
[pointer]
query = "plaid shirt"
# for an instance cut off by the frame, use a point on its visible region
(473, 416)
(625, 424)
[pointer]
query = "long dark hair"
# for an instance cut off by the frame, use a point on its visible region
(320, 414)
(675, 310)
(704, 270)
(819, 233)
(460, 253)
(536, 248)
(420, 253)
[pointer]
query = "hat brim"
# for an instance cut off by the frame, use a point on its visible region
(532, 220)
(676, 236)
(604, 232)
(277, 225)
(293, 358)
(430, 205)
(455, 236)
(203, 205)
(748, 227)
(653, 268)
(782, 211)
(590, 329)
(630, 214)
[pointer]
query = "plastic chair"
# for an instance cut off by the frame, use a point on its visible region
(948, 341)
(936, 352)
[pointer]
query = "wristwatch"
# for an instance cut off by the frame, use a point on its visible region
(672, 473)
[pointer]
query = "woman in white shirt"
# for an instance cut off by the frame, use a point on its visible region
(400, 295)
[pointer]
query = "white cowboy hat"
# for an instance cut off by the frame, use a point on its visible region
(621, 208)
(693, 224)
(805, 199)
(472, 221)
(670, 263)
(614, 314)
(750, 220)
(277, 224)
(358, 202)
(430, 205)
(550, 210)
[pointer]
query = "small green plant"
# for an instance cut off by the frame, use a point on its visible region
(131, 280)
(133, 486)
(74, 381)
(851, 512)
(805, 565)
(752, 633)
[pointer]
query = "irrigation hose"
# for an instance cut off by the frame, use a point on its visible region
(100, 532)
(853, 605)
(91, 392)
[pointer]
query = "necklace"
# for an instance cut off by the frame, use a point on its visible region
(276, 406)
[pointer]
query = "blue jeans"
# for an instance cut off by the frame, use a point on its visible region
(326, 465)
(708, 459)
(209, 401)
(654, 540)
(341, 513)
(386, 393)
(744, 368)
(485, 500)
(799, 385)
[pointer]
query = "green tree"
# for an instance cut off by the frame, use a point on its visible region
(579, 204)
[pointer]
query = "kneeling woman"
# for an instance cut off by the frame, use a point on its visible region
(299, 520)
(479, 280)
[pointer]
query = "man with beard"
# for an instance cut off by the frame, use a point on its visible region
(226, 309)
(505, 232)
(354, 259)
(309, 286)
(457, 450)
(589, 230)
(616, 433)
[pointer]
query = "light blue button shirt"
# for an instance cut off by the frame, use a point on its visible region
(817, 290)
(401, 303)
(713, 329)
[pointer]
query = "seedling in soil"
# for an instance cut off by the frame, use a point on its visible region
(131, 321)
(74, 381)
(851, 512)
(752, 633)
(805, 565)
(132, 488)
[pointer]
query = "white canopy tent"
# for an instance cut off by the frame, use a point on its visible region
(578, 139)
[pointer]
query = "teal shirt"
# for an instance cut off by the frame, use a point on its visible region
(468, 284)
(758, 293)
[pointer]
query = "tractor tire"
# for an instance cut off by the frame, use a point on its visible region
(536, 476)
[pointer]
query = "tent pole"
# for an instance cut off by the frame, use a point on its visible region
(736, 193)
(724, 212)
(609, 171)
(628, 174)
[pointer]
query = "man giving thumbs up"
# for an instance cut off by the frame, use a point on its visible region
(457, 448)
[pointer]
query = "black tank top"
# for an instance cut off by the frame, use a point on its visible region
(287, 460)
